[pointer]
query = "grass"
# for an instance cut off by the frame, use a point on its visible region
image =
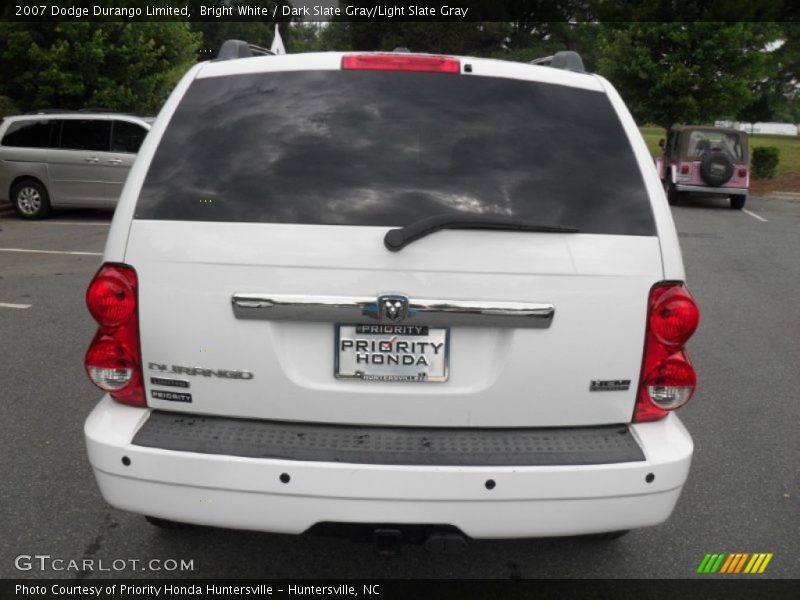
(651, 136)
(789, 147)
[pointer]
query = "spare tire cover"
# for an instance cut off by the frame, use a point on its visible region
(716, 168)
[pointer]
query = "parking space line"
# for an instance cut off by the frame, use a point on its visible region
(51, 252)
(9, 305)
(754, 215)
(68, 223)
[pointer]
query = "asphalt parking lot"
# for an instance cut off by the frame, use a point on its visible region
(742, 494)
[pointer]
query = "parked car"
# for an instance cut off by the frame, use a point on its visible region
(392, 292)
(78, 159)
(705, 160)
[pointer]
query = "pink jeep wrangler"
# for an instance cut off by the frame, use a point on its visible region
(705, 160)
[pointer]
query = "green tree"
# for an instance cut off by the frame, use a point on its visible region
(113, 65)
(303, 37)
(510, 40)
(685, 72)
(254, 30)
(7, 107)
(530, 40)
(787, 72)
(775, 96)
(214, 33)
(480, 39)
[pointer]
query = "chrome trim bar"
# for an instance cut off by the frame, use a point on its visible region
(350, 309)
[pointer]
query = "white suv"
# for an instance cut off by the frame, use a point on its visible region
(392, 290)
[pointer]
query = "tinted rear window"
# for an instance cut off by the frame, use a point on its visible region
(127, 137)
(85, 134)
(29, 134)
(390, 148)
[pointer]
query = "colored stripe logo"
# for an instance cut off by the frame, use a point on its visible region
(734, 563)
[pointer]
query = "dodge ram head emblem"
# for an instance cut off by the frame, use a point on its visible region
(392, 308)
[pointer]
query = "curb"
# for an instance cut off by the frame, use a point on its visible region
(791, 196)
(786, 195)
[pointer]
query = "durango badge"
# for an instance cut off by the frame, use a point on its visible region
(194, 371)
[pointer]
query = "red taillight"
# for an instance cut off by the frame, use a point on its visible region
(113, 360)
(742, 172)
(110, 296)
(670, 384)
(401, 62)
(673, 315)
(685, 168)
(668, 378)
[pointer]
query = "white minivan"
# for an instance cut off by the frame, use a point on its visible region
(394, 292)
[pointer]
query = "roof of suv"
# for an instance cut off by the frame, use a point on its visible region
(333, 61)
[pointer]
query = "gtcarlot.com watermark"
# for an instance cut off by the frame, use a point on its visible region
(46, 562)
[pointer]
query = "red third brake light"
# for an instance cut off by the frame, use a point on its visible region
(401, 62)
(113, 360)
(668, 378)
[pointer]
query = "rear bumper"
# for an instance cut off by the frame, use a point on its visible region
(704, 189)
(248, 493)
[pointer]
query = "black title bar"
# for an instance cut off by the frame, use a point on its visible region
(382, 11)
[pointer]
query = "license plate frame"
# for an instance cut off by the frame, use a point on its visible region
(437, 370)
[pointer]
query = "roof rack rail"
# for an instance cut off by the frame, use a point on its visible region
(566, 59)
(240, 49)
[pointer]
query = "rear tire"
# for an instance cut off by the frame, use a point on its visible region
(737, 202)
(674, 197)
(30, 199)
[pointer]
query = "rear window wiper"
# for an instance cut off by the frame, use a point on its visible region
(397, 239)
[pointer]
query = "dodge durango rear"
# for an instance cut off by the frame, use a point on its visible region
(392, 291)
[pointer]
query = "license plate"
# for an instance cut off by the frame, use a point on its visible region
(404, 353)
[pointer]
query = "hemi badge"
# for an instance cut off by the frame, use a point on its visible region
(610, 385)
(181, 383)
(173, 396)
